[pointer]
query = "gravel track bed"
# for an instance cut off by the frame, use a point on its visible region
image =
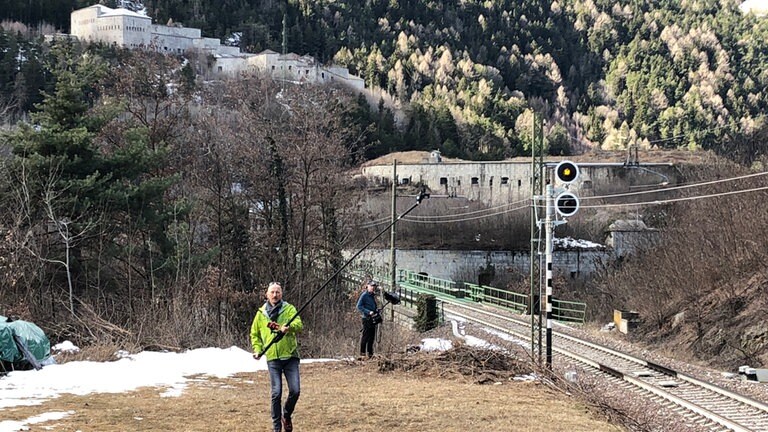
(633, 410)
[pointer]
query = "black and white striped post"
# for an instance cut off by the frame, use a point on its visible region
(548, 240)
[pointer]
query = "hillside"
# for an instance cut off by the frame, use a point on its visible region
(601, 74)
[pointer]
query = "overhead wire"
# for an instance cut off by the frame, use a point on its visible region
(469, 218)
(448, 216)
(380, 221)
(661, 190)
(664, 189)
(373, 223)
(462, 217)
(691, 198)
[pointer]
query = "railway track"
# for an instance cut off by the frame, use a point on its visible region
(697, 402)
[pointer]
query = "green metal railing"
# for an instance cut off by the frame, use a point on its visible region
(569, 311)
(562, 310)
(506, 299)
(410, 284)
(429, 283)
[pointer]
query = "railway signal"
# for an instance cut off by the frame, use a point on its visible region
(566, 204)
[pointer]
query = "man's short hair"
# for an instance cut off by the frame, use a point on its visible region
(274, 284)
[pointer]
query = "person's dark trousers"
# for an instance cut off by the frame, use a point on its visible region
(367, 337)
(289, 368)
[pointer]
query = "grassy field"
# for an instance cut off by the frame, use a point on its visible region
(336, 396)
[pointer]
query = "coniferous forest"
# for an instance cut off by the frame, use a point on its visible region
(140, 205)
(462, 75)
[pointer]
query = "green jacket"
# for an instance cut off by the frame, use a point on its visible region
(261, 335)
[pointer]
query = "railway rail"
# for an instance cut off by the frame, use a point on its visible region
(697, 402)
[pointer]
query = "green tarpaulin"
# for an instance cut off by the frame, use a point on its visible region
(20, 340)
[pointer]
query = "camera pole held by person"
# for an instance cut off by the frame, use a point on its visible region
(371, 317)
(275, 327)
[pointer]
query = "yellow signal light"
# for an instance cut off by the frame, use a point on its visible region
(566, 172)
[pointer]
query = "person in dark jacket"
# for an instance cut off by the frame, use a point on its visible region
(368, 309)
(282, 356)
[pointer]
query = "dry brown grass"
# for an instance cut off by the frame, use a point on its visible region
(97, 353)
(337, 396)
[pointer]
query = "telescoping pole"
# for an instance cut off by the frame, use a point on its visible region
(419, 198)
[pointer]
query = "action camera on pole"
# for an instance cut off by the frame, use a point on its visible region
(566, 172)
(566, 204)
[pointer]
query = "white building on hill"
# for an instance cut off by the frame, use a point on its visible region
(293, 67)
(129, 29)
(132, 30)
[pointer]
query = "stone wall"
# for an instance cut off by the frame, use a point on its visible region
(504, 182)
(466, 265)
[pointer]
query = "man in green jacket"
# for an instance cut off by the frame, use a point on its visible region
(283, 356)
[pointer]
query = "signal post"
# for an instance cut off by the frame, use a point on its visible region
(565, 204)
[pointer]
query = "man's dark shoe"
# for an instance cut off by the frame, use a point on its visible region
(287, 425)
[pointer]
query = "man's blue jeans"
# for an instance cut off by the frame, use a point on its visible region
(289, 368)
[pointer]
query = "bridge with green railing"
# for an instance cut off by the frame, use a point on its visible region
(410, 284)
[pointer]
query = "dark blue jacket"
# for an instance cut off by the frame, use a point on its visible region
(366, 304)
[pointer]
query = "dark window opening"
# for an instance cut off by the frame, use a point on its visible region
(443, 181)
(519, 183)
(505, 180)
(475, 181)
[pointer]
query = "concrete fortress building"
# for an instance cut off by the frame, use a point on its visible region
(133, 30)
(503, 182)
(296, 68)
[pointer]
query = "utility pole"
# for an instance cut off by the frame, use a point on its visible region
(285, 33)
(537, 147)
(393, 235)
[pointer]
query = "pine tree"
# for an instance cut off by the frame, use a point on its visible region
(99, 193)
